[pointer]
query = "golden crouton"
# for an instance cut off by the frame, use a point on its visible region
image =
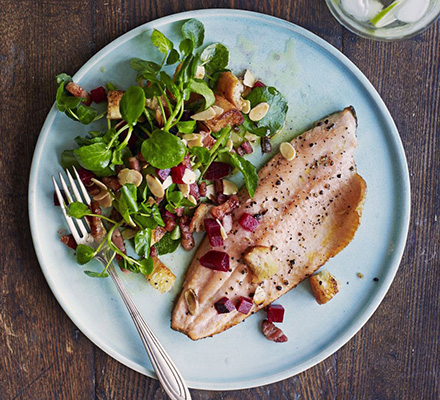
(324, 286)
(113, 99)
(230, 116)
(231, 88)
(157, 234)
(161, 278)
(197, 221)
(261, 261)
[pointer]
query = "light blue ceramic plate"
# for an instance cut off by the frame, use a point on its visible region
(317, 80)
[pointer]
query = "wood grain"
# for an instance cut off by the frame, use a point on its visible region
(43, 355)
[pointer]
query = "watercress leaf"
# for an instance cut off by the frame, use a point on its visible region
(93, 157)
(77, 210)
(132, 104)
(170, 85)
(202, 153)
(93, 274)
(81, 141)
(146, 266)
(69, 160)
(107, 171)
(213, 78)
(155, 213)
(166, 245)
(274, 120)
(122, 207)
(185, 72)
(129, 194)
(186, 47)
(144, 222)
(173, 57)
(199, 86)
(215, 57)
(248, 170)
(152, 91)
(163, 150)
(193, 29)
(84, 254)
(142, 242)
(186, 126)
(63, 78)
(159, 40)
(111, 86)
(143, 66)
(117, 157)
(175, 233)
(65, 101)
(86, 114)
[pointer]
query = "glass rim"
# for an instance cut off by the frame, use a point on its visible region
(363, 32)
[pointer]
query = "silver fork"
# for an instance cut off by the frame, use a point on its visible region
(167, 373)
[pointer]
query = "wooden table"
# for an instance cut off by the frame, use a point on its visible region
(44, 356)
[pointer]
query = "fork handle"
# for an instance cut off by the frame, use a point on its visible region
(167, 373)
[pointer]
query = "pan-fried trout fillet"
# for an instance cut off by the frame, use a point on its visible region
(309, 209)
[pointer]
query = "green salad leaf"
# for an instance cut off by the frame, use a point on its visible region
(163, 150)
(146, 266)
(77, 210)
(132, 104)
(194, 30)
(94, 157)
(142, 242)
(199, 86)
(274, 120)
(84, 254)
(166, 245)
(159, 40)
(215, 57)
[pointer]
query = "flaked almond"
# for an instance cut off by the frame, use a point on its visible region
(259, 112)
(130, 176)
(245, 106)
(192, 301)
(189, 176)
(218, 110)
(167, 182)
(155, 186)
(229, 144)
(222, 230)
(205, 115)
(249, 79)
(259, 296)
(128, 233)
(200, 72)
(250, 137)
(210, 192)
(287, 151)
(190, 136)
(192, 199)
(197, 141)
(229, 187)
(99, 184)
(236, 139)
(101, 195)
(184, 188)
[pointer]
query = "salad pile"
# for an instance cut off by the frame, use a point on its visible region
(157, 172)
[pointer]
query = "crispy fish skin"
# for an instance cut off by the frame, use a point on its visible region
(309, 208)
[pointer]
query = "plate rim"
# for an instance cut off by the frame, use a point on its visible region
(393, 265)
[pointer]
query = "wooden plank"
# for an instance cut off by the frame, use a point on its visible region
(398, 350)
(42, 354)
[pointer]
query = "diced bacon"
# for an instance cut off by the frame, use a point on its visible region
(118, 241)
(111, 182)
(134, 163)
(188, 242)
(247, 147)
(69, 241)
(273, 333)
(202, 189)
(96, 226)
(226, 208)
(77, 91)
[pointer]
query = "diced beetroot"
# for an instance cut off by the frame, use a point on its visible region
(224, 306)
(163, 173)
(216, 260)
(244, 305)
(217, 170)
(194, 190)
(258, 84)
(275, 313)
(187, 162)
(248, 222)
(98, 94)
(86, 176)
(212, 228)
(177, 173)
(247, 147)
